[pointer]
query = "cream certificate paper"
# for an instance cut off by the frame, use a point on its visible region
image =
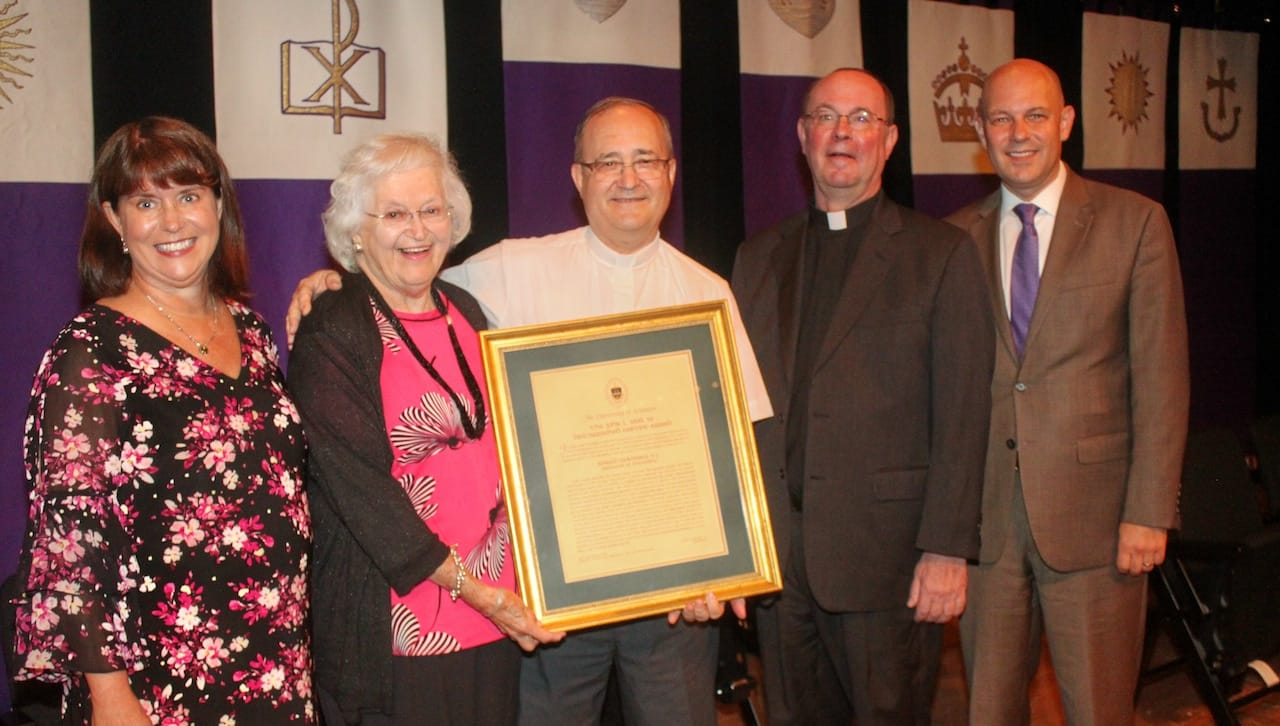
(628, 466)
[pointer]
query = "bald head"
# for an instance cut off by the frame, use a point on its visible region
(1022, 69)
(1023, 121)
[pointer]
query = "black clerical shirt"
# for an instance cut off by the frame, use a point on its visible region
(828, 257)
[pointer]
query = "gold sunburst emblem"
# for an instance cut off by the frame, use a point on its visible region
(1129, 91)
(10, 51)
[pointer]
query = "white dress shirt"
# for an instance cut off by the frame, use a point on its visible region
(574, 275)
(1010, 226)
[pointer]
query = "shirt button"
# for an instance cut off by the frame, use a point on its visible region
(1020, 386)
(1011, 444)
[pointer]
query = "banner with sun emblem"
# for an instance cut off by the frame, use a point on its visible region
(46, 100)
(1218, 99)
(951, 49)
(558, 59)
(46, 157)
(1121, 112)
(783, 47)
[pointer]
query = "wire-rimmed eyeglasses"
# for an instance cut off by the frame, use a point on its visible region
(398, 220)
(612, 168)
(860, 119)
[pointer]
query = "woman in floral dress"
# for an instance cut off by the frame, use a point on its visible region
(413, 581)
(165, 560)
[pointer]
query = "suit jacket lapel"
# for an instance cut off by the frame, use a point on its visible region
(1075, 216)
(986, 233)
(874, 257)
(786, 260)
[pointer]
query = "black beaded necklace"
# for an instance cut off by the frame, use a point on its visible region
(473, 427)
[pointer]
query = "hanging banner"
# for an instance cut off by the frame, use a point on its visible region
(46, 100)
(300, 82)
(46, 143)
(1218, 99)
(952, 48)
(297, 84)
(783, 47)
(1217, 221)
(559, 59)
(1123, 82)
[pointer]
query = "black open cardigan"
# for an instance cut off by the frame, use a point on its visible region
(368, 537)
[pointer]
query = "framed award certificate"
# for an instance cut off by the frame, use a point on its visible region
(629, 465)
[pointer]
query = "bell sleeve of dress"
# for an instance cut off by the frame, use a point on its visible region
(335, 380)
(76, 612)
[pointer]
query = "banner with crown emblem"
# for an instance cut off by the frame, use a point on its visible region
(297, 84)
(46, 143)
(952, 48)
(1121, 113)
(783, 47)
(558, 59)
(1218, 99)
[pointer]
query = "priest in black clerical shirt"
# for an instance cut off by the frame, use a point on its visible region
(871, 323)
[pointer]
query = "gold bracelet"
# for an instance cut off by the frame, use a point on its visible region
(460, 577)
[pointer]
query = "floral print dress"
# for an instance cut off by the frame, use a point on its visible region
(168, 532)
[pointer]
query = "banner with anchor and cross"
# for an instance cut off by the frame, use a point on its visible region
(1217, 227)
(1218, 99)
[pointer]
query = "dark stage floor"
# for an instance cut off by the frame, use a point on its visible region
(1170, 700)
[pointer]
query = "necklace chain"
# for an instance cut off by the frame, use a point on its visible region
(203, 348)
(473, 426)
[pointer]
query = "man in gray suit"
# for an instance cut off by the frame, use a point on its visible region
(873, 335)
(1089, 415)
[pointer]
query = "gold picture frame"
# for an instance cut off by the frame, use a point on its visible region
(629, 464)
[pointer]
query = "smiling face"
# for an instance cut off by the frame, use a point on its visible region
(402, 260)
(171, 232)
(624, 210)
(847, 165)
(1024, 122)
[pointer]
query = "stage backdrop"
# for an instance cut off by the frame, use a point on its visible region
(1169, 95)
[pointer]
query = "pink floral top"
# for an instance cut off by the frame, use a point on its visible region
(453, 481)
(168, 533)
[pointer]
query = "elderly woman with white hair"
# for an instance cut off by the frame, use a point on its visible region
(413, 583)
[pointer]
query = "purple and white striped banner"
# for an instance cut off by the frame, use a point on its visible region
(298, 83)
(1123, 96)
(558, 59)
(783, 47)
(952, 48)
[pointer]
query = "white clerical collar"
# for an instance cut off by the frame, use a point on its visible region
(837, 220)
(611, 257)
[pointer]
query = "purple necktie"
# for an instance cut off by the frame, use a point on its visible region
(1024, 280)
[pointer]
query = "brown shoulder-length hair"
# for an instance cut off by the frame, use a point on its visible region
(160, 152)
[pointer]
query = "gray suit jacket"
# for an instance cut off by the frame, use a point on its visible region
(1095, 414)
(898, 402)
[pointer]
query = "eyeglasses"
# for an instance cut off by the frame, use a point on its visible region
(612, 168)
(398, 220)
(859, 120)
